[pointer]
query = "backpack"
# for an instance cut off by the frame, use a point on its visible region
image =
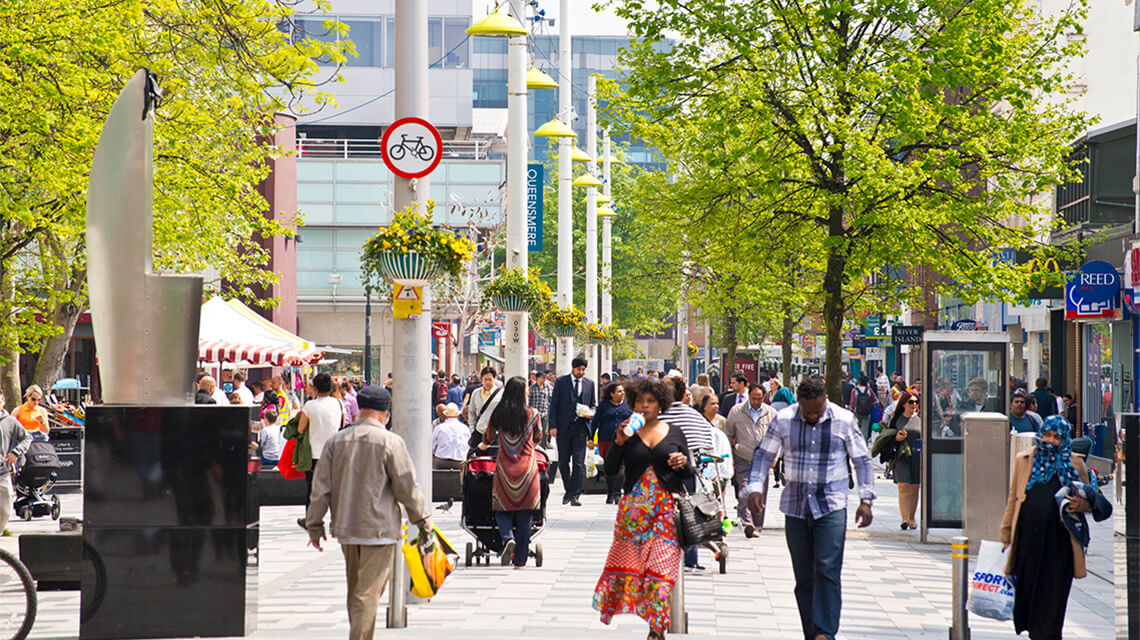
(864, 402)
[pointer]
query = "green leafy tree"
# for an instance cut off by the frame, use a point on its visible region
(225, 68)
(904, 133)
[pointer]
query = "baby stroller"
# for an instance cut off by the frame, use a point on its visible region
(34, 481)
(710, 481)
(476, 477)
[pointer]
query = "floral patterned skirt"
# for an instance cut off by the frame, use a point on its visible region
(644, 558)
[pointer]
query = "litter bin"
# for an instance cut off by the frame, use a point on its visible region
(68, 443)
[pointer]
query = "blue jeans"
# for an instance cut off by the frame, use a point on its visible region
(816, 547)
(572, 459)
(515, 525)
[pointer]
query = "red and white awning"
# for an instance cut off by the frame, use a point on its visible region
(220, 351)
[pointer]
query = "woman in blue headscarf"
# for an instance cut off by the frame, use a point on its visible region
(1042, 555)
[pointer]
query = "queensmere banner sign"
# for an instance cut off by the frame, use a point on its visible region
(534, 207)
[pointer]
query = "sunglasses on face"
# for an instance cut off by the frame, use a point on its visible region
(911, 402)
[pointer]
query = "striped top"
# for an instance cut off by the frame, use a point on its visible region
(697, 430)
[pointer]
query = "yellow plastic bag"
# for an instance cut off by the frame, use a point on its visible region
(429, 563)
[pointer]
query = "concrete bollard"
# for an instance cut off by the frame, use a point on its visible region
(398, 585)
(678, 619)
(960, 570)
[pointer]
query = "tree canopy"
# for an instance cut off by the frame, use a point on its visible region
(886, 133)
(224, 67)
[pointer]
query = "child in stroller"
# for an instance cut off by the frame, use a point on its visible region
(34, 480)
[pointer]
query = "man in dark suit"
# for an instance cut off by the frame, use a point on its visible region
(739, 394)
(570, 430)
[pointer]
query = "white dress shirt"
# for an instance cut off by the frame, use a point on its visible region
(449, 440)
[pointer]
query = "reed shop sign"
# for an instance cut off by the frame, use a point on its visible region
(1093, 291)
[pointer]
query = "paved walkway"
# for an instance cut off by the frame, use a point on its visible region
(893, 587)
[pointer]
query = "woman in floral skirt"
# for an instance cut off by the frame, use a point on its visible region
(644, 557)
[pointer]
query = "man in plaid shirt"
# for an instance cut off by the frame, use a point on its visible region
(539, 395)
(817, 439)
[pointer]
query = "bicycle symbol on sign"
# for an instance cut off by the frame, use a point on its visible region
(416, 147)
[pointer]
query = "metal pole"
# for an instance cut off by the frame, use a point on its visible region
(960, 569)
(411, 337)
(515, 338)
(565, 293)
(367, 335)
(607, 252)
(592, 224)
(678, 619)
(683, 338)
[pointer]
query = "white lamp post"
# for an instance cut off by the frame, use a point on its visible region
(565, 292)
(591, 224)
(607, 360)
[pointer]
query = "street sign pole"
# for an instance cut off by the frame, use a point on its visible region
(411, 336)
(515, 340)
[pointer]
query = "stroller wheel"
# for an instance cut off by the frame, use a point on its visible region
(27, 513)
(538, 555)
(722, 559)
(470, 550)
(55, 508)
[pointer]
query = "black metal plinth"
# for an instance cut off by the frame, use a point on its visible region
(170, 523)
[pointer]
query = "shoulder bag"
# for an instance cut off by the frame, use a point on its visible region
(698, 519)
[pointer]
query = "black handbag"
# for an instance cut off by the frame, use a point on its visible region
(698, 519)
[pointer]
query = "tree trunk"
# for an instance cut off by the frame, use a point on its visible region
(786, 345)
(730, 322)
(833, 309)
(9, 357)
(55, 348)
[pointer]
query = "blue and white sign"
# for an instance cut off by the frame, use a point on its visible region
(1097, 282)
(534, 176)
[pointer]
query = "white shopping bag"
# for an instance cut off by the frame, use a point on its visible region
(991, 590)
(594, 463)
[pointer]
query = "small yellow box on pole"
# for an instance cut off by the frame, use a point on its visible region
(407, 301)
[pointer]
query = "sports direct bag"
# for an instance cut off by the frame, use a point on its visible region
(991, 591)
(429, 563)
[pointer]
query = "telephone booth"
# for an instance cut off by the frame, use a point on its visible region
(964, 372)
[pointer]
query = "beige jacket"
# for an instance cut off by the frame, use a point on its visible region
(743, 432)
(364, 471)
(1022, 467)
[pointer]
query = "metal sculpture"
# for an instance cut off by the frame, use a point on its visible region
(145, 323)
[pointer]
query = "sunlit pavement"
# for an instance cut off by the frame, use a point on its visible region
(893, 587)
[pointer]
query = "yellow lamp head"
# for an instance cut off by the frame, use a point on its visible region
(586, 180)
(496, 25)
(555, 128)
(606, 212)
(577, 155)
(538, 79)
(603, 199)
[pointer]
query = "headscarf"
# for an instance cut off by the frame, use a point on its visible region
(1053, 459)
(784, 394)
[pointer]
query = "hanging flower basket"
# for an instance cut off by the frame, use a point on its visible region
(410, 268)
(412, 251)
(510, 302)
(513, 290)
(597, 333)
(563, 322)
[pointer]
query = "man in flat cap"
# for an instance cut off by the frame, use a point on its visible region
(363, 473)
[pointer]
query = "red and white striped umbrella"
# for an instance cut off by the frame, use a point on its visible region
(219, 351)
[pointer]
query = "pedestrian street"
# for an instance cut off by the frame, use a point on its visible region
(893, 587)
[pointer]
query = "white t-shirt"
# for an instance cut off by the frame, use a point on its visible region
(245, 394)
(324, 421)
(219, 396)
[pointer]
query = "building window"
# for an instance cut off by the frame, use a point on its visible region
(375, 40)
(489, 88)
(367, 36)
